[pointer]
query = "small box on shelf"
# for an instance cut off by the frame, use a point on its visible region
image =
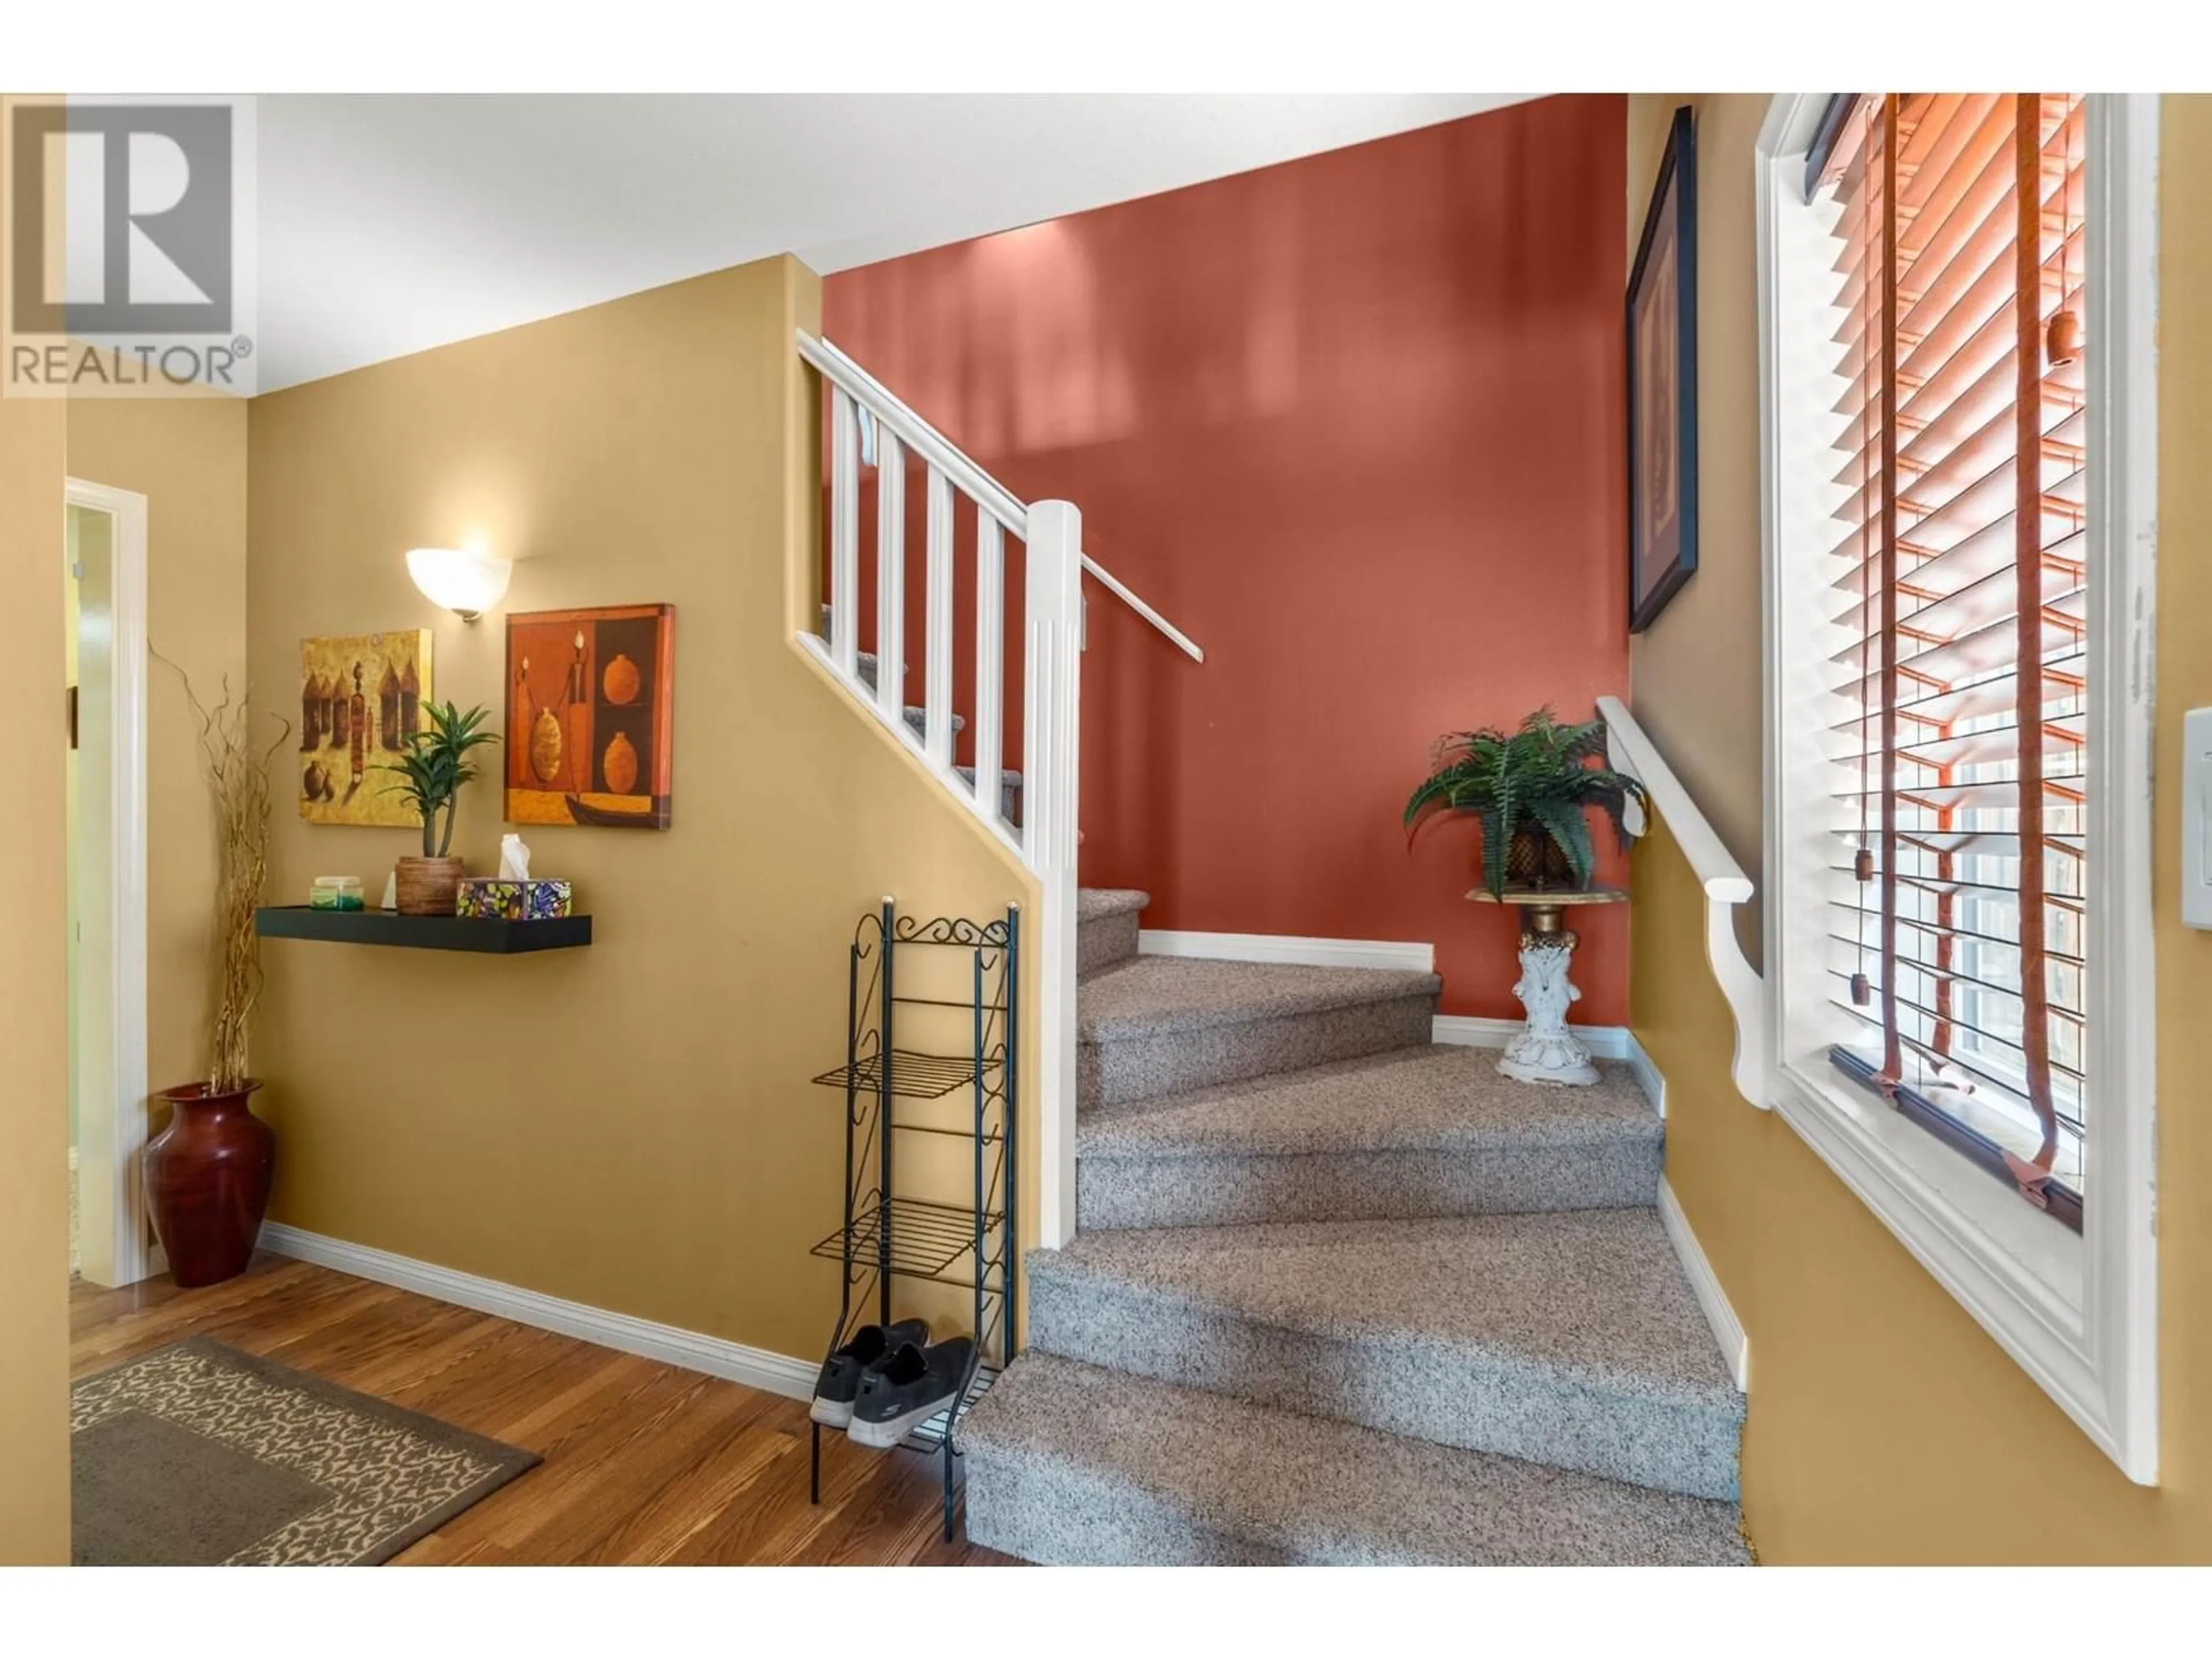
(335, 893)
(504, 898)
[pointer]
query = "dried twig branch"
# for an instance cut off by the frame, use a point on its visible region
(239, 776)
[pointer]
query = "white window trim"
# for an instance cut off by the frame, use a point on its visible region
(2079, 1314)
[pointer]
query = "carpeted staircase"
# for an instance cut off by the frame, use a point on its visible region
(1341, 1295)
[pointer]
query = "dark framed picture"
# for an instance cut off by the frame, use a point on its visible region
(1663, 385)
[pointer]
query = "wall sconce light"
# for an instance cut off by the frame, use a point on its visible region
(466, 584)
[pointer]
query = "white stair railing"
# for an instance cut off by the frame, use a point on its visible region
(1044, 836)
(1630, 749)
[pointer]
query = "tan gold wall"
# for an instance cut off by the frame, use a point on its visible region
(1884, 1425)
(187, 456)
(629, 1126)
(33, 1129)
(1696, 669)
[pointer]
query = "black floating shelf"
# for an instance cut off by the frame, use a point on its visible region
(914, 1076)
(926, 1239)
(499, 939)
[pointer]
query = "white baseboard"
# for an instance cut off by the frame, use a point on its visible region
(758, 1368)
(1287, 947)
(1648, 1074)
(1705, 1285)
(1605, 1042)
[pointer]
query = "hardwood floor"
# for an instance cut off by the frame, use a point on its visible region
(644, 1463)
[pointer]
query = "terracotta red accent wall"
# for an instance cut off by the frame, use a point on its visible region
(1353, 422)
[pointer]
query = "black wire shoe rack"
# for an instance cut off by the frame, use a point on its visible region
(929, 1056)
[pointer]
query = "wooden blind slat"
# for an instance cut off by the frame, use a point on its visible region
(1870, 918)
(1988, 893)
(1997, 794)
(2006, 994)
(1992, 746)
(2064, 672)
(1974, 560)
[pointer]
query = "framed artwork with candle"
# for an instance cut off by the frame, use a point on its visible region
(589, 720)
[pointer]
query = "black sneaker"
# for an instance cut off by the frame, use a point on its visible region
(905, 1390)
(839, 1381)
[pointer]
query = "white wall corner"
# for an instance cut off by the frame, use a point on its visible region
(1705, 1286)
(1476, 1031)
(1647, 1074)
(672, 1344)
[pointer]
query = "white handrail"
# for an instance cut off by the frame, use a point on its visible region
(1051, 686)
(925, 440)
(939, 452)
(1114, 586)
(1631, 751)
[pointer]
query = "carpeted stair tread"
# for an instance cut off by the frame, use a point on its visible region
(1149, 1027)
(1154, 996)
(1595, 1294)
(917, 719)
(1098, 903)
(1441, 1097)
(1571, 1337)
(1106, 926)
(1070, 1463)
(865, 663)
(1427, 1130)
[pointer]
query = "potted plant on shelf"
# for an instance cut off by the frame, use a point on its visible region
(432, 768)
(1530, 791)
(208, 1173)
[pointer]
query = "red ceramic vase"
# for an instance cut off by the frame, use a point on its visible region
(206, 1182)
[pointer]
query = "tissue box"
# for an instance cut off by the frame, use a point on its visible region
(543, 900)
(489, 898)
(502, 898)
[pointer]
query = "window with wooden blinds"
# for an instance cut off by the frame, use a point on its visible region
(1959, 581)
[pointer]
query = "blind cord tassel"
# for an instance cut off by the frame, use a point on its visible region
(2032, 1179)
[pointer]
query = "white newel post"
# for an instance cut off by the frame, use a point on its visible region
(1052, 681)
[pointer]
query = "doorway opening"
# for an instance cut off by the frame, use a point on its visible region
(104, 543)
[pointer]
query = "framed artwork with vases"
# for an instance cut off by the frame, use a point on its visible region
(1663, 385)
(590, 720)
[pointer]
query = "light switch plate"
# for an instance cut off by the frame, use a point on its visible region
(2196, 817)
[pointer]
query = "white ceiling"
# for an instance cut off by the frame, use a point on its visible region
(390, 224)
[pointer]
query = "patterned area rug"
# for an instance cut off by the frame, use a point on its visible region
(197, 1455)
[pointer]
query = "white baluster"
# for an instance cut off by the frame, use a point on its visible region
(1052, 683)
(990, 661)
(890, 578)
(937, 696)
(844, 535)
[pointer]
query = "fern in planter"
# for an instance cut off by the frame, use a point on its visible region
(1531, 791)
